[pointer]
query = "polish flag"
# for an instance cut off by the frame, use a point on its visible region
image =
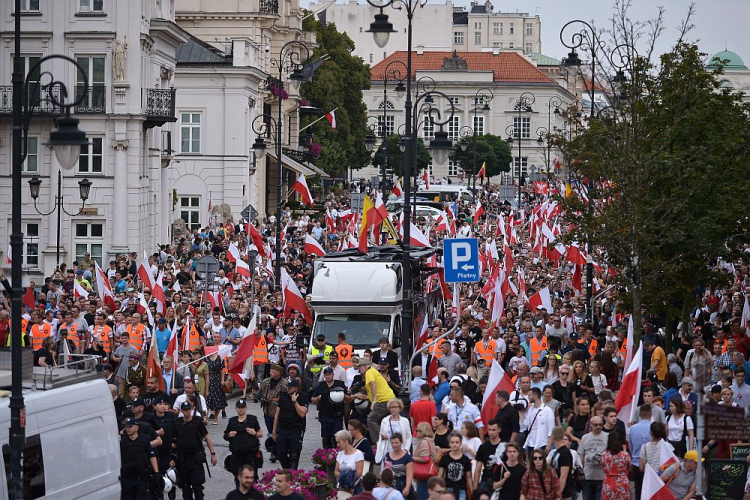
(158, 294)
(746, 317)
(653, 487)
(243, 268)
(417, 239)
(423, 334)
(176, 286)
(541, 298)
(627, 399)
(498, 300)
(143, 308)
(478, 213)
(29, 299)
(103, 288)
(432, 372)
(213, 299)
(153, 365)
(666, 456)
(312, 246)
(629, 343)
(144, 273)
(283, 231)
(397, 189)
(293, 298)
(79, 291)
(300, 186)
(9, 255)
(382, 213)
(575, 256)
(442, 222)
(330, 224)
(244, 352)
(497, 381)
(331, 117)
(257, 239)
(426, 179)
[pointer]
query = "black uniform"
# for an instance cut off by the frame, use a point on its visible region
(330, 414)
(164, 452)
(135, 456)
(290, 430)
(191, 456)
(245, 448)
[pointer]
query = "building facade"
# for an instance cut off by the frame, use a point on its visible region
(463, 75)
(127, 52)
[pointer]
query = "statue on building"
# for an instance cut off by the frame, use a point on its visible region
(119, 55)
(454, 63)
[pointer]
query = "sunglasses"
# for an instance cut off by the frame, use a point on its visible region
(538, 459)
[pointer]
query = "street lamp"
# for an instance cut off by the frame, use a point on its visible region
(66, 140)
(394, 71)
(518, 132)
(84, 187)
(482, 97)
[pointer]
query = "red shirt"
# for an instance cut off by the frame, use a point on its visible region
(4, 332)
(422, 411)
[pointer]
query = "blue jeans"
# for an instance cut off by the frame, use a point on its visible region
(422, 492)
(592, 490)
(461, 494)
(347, 478)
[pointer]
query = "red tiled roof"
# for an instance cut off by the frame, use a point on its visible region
(506, 66)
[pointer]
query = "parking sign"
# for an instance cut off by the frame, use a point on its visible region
(461, 260)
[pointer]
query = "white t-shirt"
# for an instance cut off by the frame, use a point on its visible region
(349, 462)
(676, 427)
(391, 493)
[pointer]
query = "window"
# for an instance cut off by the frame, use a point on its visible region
(523, 165)
(390, 126)
(458, 38)
(478, 38)
(527, 48)
(499, 45)
(370, 58)
(497, 28)
(529, 29)
(90, 239)
(31, 244)
(90, 161)
(428, 129)
(510, 45)
(386, 105)
(29, 5)
(31, 164)
(477, 26)
(33, 76)
(453, 168)
(190, 211)
(479, 125)
(190, 130)
(454, 100)
(453, 125)
(91, 5)
(512, 29)
(523, 125)
(360, 29)
(92, 78)
(429, 167)
(33, 467)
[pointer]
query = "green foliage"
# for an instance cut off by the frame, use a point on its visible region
(338, 83)
(490, 149)
(396, 157)
(676, 155)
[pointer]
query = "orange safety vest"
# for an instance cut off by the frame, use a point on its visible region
(72, 333)
(486, 353)
(136, 335)
(39, 334)
(104, 333)
(624, 348)
(194, 339)
(537, 346)
(592, 346)
(345, 355)
(260, 353)
(436, 349)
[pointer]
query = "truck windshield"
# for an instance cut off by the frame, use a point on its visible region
(362, 330)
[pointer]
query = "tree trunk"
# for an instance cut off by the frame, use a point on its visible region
(636, 317)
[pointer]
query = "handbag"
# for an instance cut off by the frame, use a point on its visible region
(228, 385)
(424, 471)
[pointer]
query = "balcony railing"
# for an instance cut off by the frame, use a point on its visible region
(95, 100)
(269, 6)
(40, 103)
(159, 107)
(298, 156)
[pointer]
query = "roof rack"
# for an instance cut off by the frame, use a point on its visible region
(385, 253)
(77, 368)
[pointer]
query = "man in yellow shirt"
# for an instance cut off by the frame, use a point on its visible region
(658, 359)
(378, 392)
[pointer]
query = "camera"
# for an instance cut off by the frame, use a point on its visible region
(267, 48)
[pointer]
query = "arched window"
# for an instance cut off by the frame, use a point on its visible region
(386, 105)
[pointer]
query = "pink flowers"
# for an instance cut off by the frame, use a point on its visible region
(303, 482)
(316, 150)
(276, 92)
(322, 456)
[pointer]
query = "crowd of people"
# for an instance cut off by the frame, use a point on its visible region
(557, 434)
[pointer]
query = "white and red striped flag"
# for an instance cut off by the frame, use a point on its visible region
(145, 274)
(312, 246)
(497, 381)
(627, 399)
(653, 487)
(300, 185)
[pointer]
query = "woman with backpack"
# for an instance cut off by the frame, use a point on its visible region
(679, 426)
(540, 481)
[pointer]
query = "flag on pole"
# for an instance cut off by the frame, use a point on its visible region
(257, 239)
(426, 179)
(79, 291)
(144, 273)
(482, 171)
(158, 294)
(293, 298)
(666, 456)
(397, 190)
(331, 117)
(367, 221)
(627, 399)
(153, 365)
(423, 334)
(103, 288)
(9, 255)
(541, 298)
(497, 381)
(653, 487)
(300, 185)
(312, 246)
(478, 213)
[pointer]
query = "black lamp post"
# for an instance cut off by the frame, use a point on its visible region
(381, 30)
(66, 140)
(395, 71)
(482, 99)
(523, 105)
(84, 187)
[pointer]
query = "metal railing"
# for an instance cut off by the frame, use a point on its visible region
(71, 369)
(268, 6)
(160, 103)
(40, 102)
(95, 100)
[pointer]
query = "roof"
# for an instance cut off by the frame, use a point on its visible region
(507, 66)
(542, 60)
(196, 51)
(478, 9)
(597, 87)
(735, 61)
(461, 18)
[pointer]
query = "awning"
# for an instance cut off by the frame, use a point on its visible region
(297, 166)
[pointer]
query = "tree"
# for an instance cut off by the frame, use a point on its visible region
(665, 166)
(338, 84)
(396, 157)
(493, 151)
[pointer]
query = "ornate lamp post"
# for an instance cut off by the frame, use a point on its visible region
(482, 99)
(395, 71)
(66, 140)
(516, 132)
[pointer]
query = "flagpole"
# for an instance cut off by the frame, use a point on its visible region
(316, 121)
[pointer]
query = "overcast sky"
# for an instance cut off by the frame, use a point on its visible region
(718, 23)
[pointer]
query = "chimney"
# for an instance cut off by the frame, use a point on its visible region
(495, 50)
(420, 50)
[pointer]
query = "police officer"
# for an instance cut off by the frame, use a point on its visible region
(243, 433)
(190, 455)
(320, 353)
(289, 424)
(330, 412)
(138, 460)
(166, 421)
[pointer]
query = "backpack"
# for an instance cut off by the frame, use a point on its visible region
(576, 474)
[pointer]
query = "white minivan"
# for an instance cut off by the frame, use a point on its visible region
(446, 192)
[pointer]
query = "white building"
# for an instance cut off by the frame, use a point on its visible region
(461, 76)
(125, 117)
(736, 75)
(436, 27)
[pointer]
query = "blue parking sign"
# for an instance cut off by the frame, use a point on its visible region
(461, 260)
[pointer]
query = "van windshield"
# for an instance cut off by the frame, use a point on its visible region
(362, 330)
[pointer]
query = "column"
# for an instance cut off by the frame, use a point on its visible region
(119, 196)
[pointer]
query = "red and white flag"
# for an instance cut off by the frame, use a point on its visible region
(145, 275)
(627, 399)
(79, 291)
(397, 189)
(300, 185)
(256, 238)
(497, 381)
(158, 294)
(103, 288)
(153, 365)
(629, 343)
(144, 309)
(426, 179)
(331, 117)
(9, 255)
(478, 213)
(293, 298)
(417, 239)
(541, 298)
(423, 334)
(653, 487)
(746, 317)
(312, 246)
(283, 231)
(666, 456)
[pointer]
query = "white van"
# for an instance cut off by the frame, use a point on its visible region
(446, 192)
(72, 443)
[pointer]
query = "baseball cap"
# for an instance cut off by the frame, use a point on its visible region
(383, 339)
(535, 369)
(692, 455)
(687, 380)
(293, 383)
(383, 361)
(157, 400)
(320, 337)
(134, 356)
(573, 336)
(241, 403)
(327, 369)
(186, 406)
(138, 402)
(130, 421)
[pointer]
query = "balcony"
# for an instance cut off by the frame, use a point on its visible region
(95, 101)
(268, 7)
(159, 107)
(41, 104)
